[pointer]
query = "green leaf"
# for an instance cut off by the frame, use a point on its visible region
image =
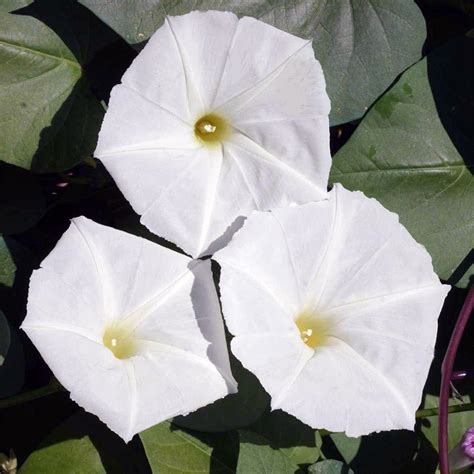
(237, 410)
(22, 203)
(4, 337)
(52, 118)
(12, 371)
(7, 262)
(82, 32)
(300, 443)
(82, 444)
(385, 452)
(256, 455)
(330, 467)
(347, 447)
(413, 151)
(171, 450)
(12, 5)
(458, 423)
(363, 46)
(16, 264)
(14, 259)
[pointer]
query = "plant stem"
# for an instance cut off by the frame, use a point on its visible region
(426, 412)
(446, 375)
(52, 387)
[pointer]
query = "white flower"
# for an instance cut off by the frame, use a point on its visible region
(133, 330)
(334, 308)
(215, 118)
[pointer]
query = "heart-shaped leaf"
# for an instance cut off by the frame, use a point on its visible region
(50, 118)
(256, 455)
(12, 5)
(414, 151)
(330, 467)
(171, 450)
(300, 443)
(82, 444)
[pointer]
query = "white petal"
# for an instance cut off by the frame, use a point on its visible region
(267, 311)
(287, 115)
(272, 181)
(396, 337)
(270, 271)
(167, 301)
(204, 39)
(170, 384)
(82, 304)
(273, 357)
(98, 381)
(258, 50)
(133, 123)
(269, 88)
(183, 208)
(189, 323)
(136, 175)
(339, 390)
(158, 74)
(349, 261)
(382, 243)
(302, 142)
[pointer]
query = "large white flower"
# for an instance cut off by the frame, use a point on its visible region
(215, 118)
(334, 308)
(133, 330)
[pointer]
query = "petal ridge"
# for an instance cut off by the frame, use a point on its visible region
(252, 194)
(214, 178)
(94, 259)
(192, 90)
(364, 363)
(77, 331)
(156, 104)
(132, 381)
(136, 317)
(261, 84)
(261, 284)
(261, 153)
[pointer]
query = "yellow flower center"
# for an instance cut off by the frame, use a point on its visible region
(120, 342)
(313, 329)
(211, 128)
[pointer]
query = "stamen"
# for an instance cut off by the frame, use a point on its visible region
(313, 329)
(211, 128)
(120, 341)
(206, 127)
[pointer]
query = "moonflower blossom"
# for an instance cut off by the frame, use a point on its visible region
(215, 118)
(334, 308)
(133, 330)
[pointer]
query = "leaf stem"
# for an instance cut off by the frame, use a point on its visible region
(24, 397)
(426, 412)
(446, 375)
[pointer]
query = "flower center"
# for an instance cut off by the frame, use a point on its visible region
(120, 342)
(211, 128)
(313, 329)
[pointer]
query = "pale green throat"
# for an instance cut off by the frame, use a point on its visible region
(313, 329)
(120, 341)
(211, 128)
